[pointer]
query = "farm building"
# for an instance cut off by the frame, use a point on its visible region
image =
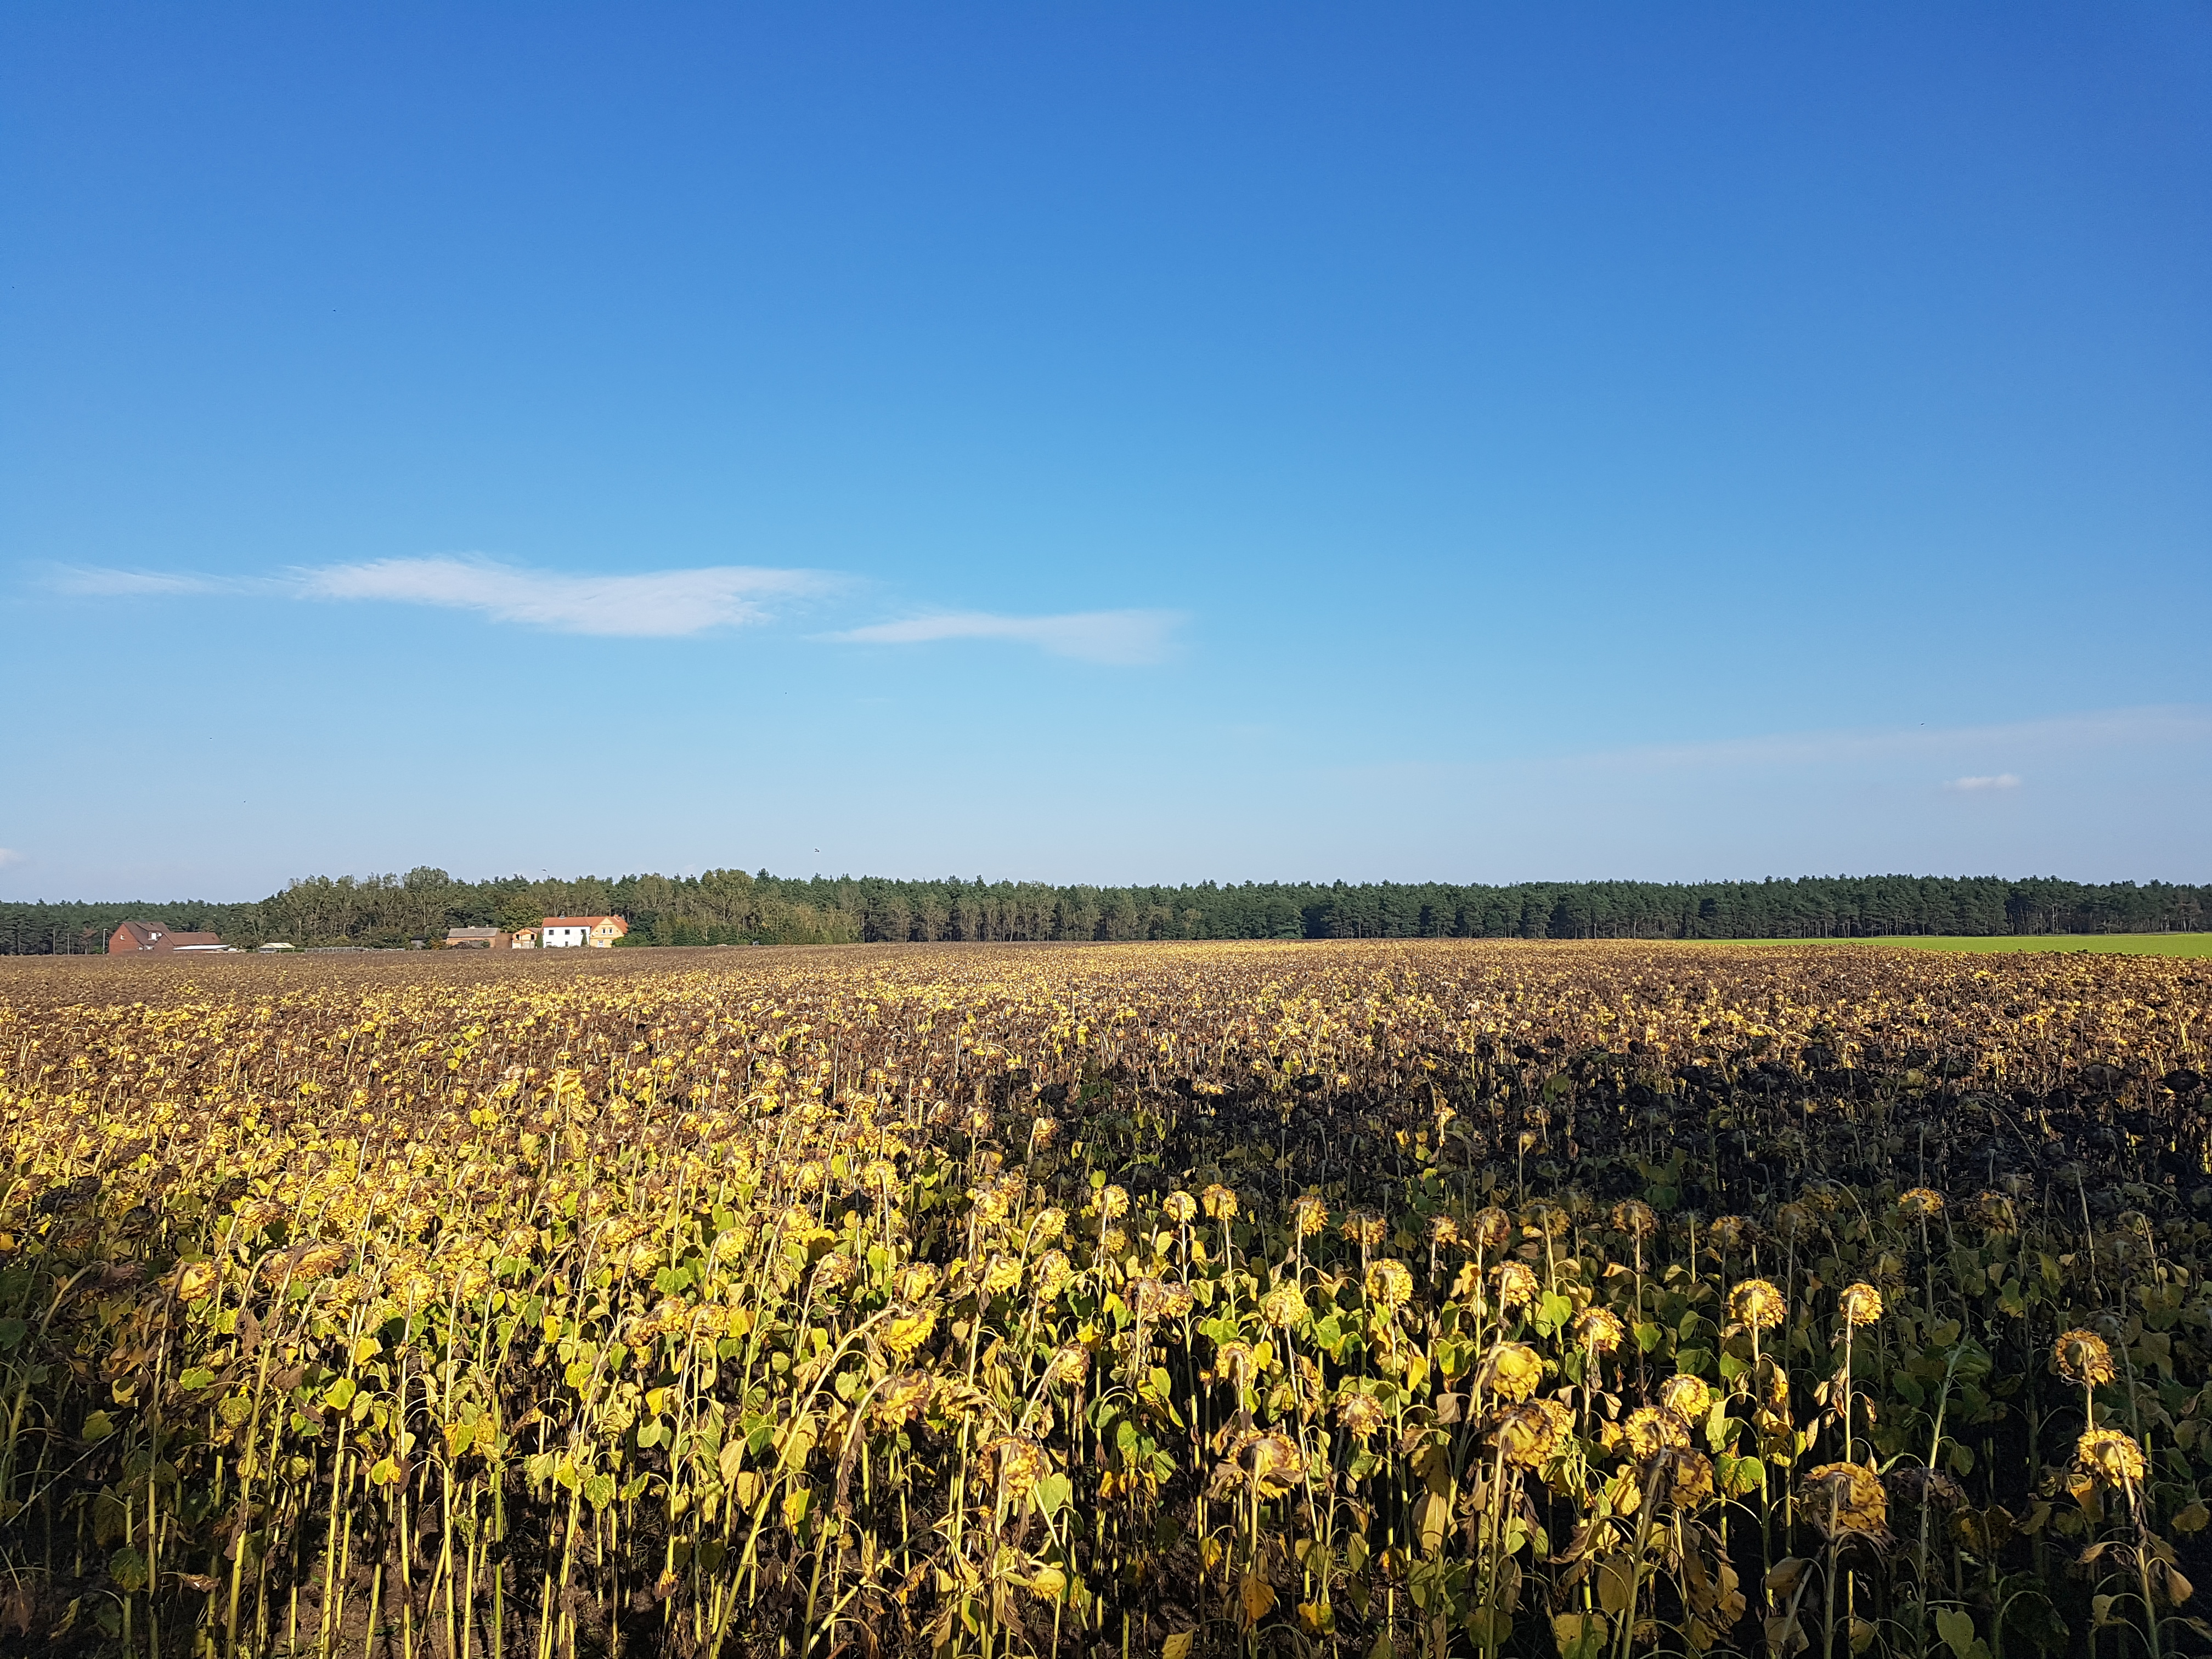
(598, 933)
(476, 939)
(159, 937)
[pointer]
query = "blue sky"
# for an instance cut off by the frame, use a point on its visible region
(1109, 443)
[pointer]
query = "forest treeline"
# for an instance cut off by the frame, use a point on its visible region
(729, 907)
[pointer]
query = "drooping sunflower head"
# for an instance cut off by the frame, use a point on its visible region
(917, 1281)
(1686, 1478)
(1179, 1207)
(2083, 1358)
(1491, 1227)
(1921, 1203)
(1019, 1464)
(1514, 1284)
(1650, 1430)
(1069, 1362)
(1365, 1228)
(1360, 1415)
(1054, 1270)
(1219, 1202)
(1389, 1286)
(1846, 1498)
(1635, 1218)
(1275, 1464)
(1860, 1305)
(1443, 1232)
(1757, 1304)
(1310, 1214)
(1525, 1435)
(1283, 1307)
(1512, 1370)
(1688, 1397)
(2110, 1458)
(196, 1280)
(1598, 1329)
(901, 1399)
(907, 1330)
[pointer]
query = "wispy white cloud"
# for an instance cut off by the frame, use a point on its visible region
(657, 604)
(1995, 780)
(1106, 637)
(8, 856)
(97, 583)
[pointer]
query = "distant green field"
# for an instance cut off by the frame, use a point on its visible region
(2126, 945)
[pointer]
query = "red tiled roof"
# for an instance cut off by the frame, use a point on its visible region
(578, 922)
(144, 934)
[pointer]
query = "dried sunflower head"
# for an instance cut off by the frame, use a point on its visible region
(1598, 1329)
(1179, 1207)
(1310, 1214)
(1443, 1232)
(907, 1330)
(1686, 1477)
(917, 1280)
(1846, 1498)
(1389, 1286)
(1995, 1212)
(1275, 1464)
(1510, 1370)
(1283, 1307)
(1491, 1227)
(1688, 1397)
(1219, 1202)
(196, 1280)
(901, 1399)
(1359, 1415)
(1650, 1430)
(1921, 1203)
(1514, 1284)
(1860, 1305)
(1727, 1233)
(1019, 1463)
(1795, 1221)
(2083, 1358)
(1365, 1228)
(1068, 1364)
(1635, 1218)
(1054, 1270)
(1757, 1304)
(2110, 1458)
(1524, 1436)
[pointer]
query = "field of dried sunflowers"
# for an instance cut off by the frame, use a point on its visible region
(1334, 1298)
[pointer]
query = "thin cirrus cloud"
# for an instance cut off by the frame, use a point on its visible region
(1994, 781)
(654, 603)
(660, 604)
(1121, 637)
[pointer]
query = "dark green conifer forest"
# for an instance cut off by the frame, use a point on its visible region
(729, 907)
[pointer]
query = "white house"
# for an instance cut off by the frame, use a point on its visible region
(594, 933)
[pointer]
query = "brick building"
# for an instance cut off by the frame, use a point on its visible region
(159, 937)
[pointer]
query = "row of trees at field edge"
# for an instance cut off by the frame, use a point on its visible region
(729, 906)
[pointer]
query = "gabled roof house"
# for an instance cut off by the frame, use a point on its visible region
(159, 937)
